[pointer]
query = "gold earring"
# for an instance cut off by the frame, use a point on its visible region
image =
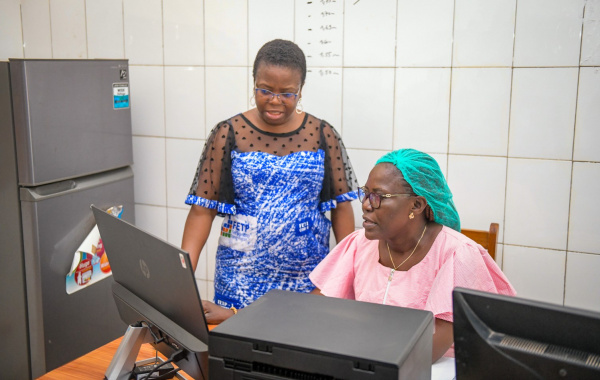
(299, 107)
(411, 216)
(252, 101)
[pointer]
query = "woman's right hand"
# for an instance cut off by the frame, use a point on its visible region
(214, 313)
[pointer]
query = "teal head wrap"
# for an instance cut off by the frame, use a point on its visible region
(423, 174)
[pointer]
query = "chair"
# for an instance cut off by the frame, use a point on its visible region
(487, 239)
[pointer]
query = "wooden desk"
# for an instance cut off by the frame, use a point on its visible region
(93, 365)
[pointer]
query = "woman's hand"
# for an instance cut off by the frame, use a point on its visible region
(214, 313)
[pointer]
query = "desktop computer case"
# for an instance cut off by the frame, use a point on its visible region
(286, 335)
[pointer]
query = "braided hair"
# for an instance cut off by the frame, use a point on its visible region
(281, 53)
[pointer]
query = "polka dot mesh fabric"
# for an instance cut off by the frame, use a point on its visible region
(213, 180)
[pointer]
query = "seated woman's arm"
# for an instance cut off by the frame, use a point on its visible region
(442, 338)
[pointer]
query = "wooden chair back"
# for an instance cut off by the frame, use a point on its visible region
(487, 239)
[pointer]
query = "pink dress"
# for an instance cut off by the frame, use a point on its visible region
(352, 270)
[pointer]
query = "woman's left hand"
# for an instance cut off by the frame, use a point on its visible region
(214, 313)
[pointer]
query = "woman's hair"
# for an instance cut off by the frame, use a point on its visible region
(281, 53)
(423, 174)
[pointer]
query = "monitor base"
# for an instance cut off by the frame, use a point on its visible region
(123, 361)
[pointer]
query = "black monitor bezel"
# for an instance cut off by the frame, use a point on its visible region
(481, 319)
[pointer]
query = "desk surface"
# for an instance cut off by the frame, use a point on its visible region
(93, 365)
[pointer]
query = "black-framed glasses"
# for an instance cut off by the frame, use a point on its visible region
(286, 97)
(375, 198)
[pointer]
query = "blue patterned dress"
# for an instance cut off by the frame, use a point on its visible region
(274, 231)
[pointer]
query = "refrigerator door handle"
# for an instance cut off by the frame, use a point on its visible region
(39, 193)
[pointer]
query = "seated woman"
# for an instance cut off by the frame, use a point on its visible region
(410, 252)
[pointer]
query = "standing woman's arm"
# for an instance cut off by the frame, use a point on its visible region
(342, 220)
(196, 231)
(340, 181)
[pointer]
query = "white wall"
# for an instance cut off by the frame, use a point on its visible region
(505, 94)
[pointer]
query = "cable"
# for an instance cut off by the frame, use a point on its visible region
(175, 356)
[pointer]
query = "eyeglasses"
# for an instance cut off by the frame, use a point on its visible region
(286, 97)
(374, 198)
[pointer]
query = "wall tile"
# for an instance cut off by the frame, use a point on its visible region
(37, 37)
(582, 281)
(69, 38)
(424, 33)
(226, 93)
(585, 208)
(587, 133)
(379, 120)
(483, 33)
(184, 102)
(149, 171)
(182, 160)
(104, 20)
(542, 120)
(143, 28)
(152, 219)
(183, 32)
(478, 184)
(322, 95)
(590, 44)
(11, 43)
(548, 32)
(249, 90)
(422, 105)
(479, 111)
(319, 31)
(147, 100)
(268, 20)
(226, 25)
(537, 203)
(500, 255)
(535, 273)
(369, 28)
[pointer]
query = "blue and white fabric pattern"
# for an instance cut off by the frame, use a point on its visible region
(278, 234)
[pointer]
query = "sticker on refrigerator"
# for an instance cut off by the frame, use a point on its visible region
(120, 95)
(90, 263)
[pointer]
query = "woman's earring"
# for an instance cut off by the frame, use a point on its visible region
(252, 101)
(299, 107)
(411, 216)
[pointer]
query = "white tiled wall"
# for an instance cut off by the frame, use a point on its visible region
(504, 94)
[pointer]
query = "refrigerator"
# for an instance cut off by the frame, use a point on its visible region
(65, 143)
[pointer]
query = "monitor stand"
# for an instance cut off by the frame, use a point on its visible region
(123, 361)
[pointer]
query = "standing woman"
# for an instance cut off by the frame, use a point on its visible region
(271, 172)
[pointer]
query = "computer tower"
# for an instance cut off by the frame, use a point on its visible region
(287, 335)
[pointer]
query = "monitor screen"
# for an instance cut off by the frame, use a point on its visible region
(503, 337)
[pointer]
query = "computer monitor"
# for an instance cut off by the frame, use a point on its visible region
(503, 337)
(155, 288)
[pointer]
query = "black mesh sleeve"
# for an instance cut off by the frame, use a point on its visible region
(339, 177)
(213, 180)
